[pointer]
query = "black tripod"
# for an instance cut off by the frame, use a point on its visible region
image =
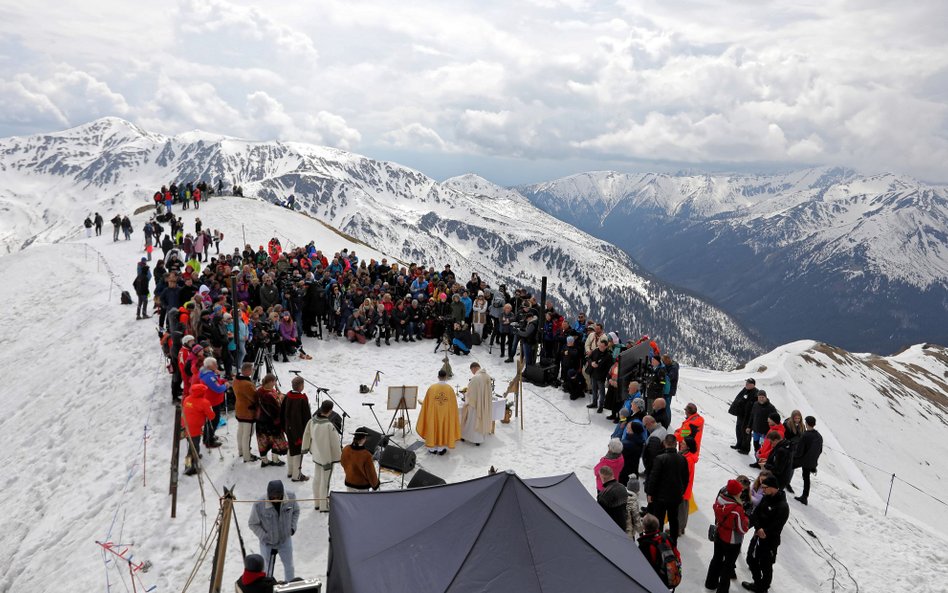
(263, 359)
(341, 426)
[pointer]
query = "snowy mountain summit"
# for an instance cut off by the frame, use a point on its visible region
(52, 181)
(854, 260)
(91, 413)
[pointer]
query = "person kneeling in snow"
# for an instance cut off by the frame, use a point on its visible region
(254, 579)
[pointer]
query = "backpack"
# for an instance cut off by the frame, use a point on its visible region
(126, 298)
(667, 561)
(669, 567)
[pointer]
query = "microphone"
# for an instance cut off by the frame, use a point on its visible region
(295, 372)
(323, 389)
(370, 404)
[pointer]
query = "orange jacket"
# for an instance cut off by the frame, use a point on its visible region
(692, 426)
(195, 410)
(692, 459)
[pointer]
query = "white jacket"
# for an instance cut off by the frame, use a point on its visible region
(322, 440)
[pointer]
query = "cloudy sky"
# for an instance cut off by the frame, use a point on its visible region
(515, 91)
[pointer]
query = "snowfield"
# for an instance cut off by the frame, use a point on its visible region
(89, 417)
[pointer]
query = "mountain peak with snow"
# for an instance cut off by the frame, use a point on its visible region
(825, 253)
(468, 222)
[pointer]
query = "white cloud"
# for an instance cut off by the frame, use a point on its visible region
(415, 136)
(863, 84)
(61, 97)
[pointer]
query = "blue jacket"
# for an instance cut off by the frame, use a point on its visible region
(213, 381)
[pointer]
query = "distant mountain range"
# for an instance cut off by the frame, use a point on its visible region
(827, 254)
(51, 181)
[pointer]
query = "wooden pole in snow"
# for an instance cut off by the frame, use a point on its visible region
(889, 498)
(217, 572)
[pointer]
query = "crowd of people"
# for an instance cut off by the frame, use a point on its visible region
(642, 449)
(222, 317)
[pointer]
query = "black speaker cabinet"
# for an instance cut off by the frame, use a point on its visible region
(422, 479)
(397, 459)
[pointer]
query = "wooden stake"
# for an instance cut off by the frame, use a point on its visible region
(217, 575)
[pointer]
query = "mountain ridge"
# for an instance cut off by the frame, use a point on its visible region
(816, 245)
(112, 165)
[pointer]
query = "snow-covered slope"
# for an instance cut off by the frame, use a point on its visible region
(53, 181)
(84, 380)
(861, 261)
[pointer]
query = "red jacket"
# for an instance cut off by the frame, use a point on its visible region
(196, 194)
(196, 362)
(183, 355)
(766, 447)
(730, 518)
(195, 410)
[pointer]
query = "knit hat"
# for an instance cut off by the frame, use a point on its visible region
(734, 487)
(197, 349)
(254, 563)
(187, 339)
(614, 337)
(770, 482)
(633, 484)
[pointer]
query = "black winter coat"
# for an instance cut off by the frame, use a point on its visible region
(757, 417)
(612, 498)
(771, 515)
(668, 479)
(663, 417)
(743, 402)
(780, 462)
(603, 360)
(808, 450)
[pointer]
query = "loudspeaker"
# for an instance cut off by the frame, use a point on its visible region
(540, 376)
(397, 459)
(374, 439)
(422, 479)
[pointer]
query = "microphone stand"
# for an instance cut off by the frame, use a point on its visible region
(325, 391)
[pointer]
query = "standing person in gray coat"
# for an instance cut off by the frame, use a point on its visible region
(274, 520)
